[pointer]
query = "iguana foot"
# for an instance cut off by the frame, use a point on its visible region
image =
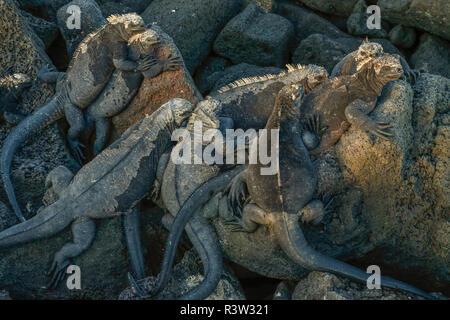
(173, 62)
(379, 129)
(314, 212)
(311, 136)
(252, 217)
(237, 194)
(75, 147)
(58, 270)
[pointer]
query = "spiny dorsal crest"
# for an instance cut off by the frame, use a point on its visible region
(122, 18)
(246, 81)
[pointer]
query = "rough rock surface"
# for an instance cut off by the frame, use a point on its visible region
(18, 46)
(256, 37)
(204, 76)
(357, 22)
(327, 286)
(432, 55)
(192, 24)
(91, 19)
(109, 7)
(156, 91)
(47, 31)
(187, 275)
(306, 22)
(4, 295)
(431, 16)
(320, 50)
(342, 8)
(403, 37)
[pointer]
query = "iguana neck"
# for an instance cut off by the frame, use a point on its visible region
(369, 80)
(119, 30)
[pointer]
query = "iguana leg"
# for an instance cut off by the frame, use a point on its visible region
(133, 236)
(237, 193)
(357, 114)
(46, 73)
(101, 134)
(314, 211)
(252, 217)
(75, 118)
(58, 179)
(83, 231)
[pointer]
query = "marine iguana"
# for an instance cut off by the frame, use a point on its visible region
(249, 101)
(111, 184)
(10, 93)
(280, 201)
(367, 51)
(118, 92)
(339, 102)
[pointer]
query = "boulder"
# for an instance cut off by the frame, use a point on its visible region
(320, 50)
(204, 76)
(341, 8)
(91, 20)
(156, 91)
(187, 275)
(192, 24)
(403, 37)
(47, 31)
(256, 37)
(306, 22)
(357, 22)
(109, 7)
(327, 286)
(431, 16)
(432, 55)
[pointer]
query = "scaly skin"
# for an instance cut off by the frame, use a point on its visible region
(279, 201)
(337, 103)
(118, 92)
(111, 184)
(366, 52)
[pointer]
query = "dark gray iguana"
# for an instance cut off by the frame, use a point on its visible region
(249, 102)
(11, 89)
(111, 184)
(117, 93)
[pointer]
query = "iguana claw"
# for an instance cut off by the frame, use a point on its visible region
(76, 146)
(137, 290)
(58, 269)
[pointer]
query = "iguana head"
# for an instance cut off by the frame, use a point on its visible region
(289, 100)
(127, 24)
(314, 79)
(387, 68)
(181, 110)
(368, 51)
(145, 42)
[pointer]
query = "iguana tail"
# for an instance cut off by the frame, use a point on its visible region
(39, 119)
(45, 224)
(200, 196)
(294, 244)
